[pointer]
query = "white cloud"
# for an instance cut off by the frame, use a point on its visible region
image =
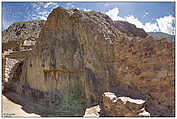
(50, 3)
(146, 14)
(87, 10)
(43, 18)
(150, 27)
(78, 8)
(133, 20)
(164, 24)
(113, 13)
(41, 10)
(38, 8)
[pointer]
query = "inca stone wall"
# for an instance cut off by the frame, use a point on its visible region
(8, 66)
(147, 66)
(10, 73)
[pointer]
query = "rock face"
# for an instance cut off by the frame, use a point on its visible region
(130, 29)
(123, 106)
(22, 30)
(71, 65)
(21, 35)
(79, 56)
(147, 66)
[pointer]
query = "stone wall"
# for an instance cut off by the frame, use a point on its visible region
(147, 66)
(10, 73)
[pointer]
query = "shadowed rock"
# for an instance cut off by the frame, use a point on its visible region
(130, 29)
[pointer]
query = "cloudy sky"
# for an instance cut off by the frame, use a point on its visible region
(151, 16)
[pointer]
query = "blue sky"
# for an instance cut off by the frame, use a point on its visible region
(151, 16)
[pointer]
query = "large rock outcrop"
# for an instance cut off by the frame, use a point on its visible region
(145, 69)
(71, 65)
(80, 55)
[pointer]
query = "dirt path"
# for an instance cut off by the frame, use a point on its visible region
(10, 109)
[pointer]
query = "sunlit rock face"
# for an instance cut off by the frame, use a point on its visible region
(71, 65)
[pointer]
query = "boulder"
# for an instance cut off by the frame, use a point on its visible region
(123, 106)
(72, 60)
(92, 111)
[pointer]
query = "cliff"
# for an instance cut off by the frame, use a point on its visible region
(71, 61)
(79, 56)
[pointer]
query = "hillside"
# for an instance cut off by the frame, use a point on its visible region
(22, 31)
(160, 35)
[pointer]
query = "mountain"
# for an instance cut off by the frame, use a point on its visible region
(160, 35)
(22, 31)
(130, 29)
(21, 36)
